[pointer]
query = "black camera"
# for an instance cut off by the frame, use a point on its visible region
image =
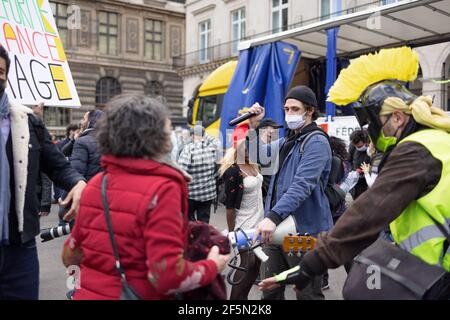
(56, 232)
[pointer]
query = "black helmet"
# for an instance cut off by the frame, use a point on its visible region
(367, 109)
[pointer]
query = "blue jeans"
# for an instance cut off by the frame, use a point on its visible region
(19, 272)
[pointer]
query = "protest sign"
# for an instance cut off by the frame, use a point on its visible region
(340, 127)
(39, 69)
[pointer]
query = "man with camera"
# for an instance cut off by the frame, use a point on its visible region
(25, 149)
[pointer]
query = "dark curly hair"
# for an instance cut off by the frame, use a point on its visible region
(134, 126)
(315, 115)
(358, 136)
(71, 127)
(339, 148)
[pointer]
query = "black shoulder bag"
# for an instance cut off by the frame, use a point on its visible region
(384, 271)
(128, 292)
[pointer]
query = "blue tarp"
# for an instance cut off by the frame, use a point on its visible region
(263, 75)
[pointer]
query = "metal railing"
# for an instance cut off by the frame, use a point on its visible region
(210, 54)
(229, 49)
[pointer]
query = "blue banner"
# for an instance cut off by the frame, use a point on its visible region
(263, 75)
(331, 57)
(331, 68)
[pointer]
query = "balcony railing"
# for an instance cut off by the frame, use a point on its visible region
(210, 54)
(228, 50)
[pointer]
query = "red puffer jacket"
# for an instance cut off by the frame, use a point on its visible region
(148, 204)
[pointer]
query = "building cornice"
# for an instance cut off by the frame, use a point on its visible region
(204, 9)
(122, 63)
(191, 3)
(136, 6)
(202, 68)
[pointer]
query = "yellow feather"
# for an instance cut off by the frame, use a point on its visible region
(398, 63)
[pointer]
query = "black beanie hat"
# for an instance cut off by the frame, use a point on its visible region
(303, 94)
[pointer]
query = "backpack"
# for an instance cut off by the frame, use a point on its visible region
(335, 195)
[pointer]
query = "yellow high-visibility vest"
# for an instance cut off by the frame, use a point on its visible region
(414, 230)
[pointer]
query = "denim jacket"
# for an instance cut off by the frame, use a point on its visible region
(298, 191)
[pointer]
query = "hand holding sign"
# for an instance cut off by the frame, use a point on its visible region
(39, 70)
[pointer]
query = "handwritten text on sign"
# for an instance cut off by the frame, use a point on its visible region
(39, 70)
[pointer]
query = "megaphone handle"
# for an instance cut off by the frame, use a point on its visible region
(260, 254)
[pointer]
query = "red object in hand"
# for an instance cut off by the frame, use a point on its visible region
(202, 237)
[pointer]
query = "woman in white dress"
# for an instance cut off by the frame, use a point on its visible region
(244, 204)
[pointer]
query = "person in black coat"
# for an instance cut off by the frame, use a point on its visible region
(85, 158)
(83, 154)
(26, 149)
(358, 155)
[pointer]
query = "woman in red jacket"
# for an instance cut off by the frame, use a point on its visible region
(148, 203)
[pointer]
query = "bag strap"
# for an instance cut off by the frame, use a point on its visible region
(308, 137)
(440, 227)
(110, 231)
(303, 144)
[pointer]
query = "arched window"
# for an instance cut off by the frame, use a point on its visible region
(106, 89)
(154, 89)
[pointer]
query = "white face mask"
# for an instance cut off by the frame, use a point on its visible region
(362, 149)
(295, 121)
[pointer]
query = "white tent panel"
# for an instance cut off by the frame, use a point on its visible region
(397, 29)
(349, 46)
(311, 48)
(407, 22)
(371, 37)
(442, 5)
(320, 38)
(423, 18)
(316, 37)
(305, 52)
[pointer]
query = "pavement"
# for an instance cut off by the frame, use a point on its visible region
(53, 275)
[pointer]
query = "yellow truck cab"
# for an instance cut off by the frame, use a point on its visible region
(206, 105)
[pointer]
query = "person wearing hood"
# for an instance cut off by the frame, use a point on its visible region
(85, 158)
(147, 197)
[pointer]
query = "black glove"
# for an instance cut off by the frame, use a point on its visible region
(300, 278)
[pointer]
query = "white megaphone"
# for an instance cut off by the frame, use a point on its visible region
(243, 239)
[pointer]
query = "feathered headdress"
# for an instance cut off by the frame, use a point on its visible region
(396, 64)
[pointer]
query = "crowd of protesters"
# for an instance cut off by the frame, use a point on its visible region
(133, 188)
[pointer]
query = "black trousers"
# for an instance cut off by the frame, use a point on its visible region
(247, 279)
(279, 262)
(202, 208)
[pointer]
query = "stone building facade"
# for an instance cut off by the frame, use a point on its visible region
(118, 47)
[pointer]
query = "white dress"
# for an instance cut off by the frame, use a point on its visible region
(252, 208)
